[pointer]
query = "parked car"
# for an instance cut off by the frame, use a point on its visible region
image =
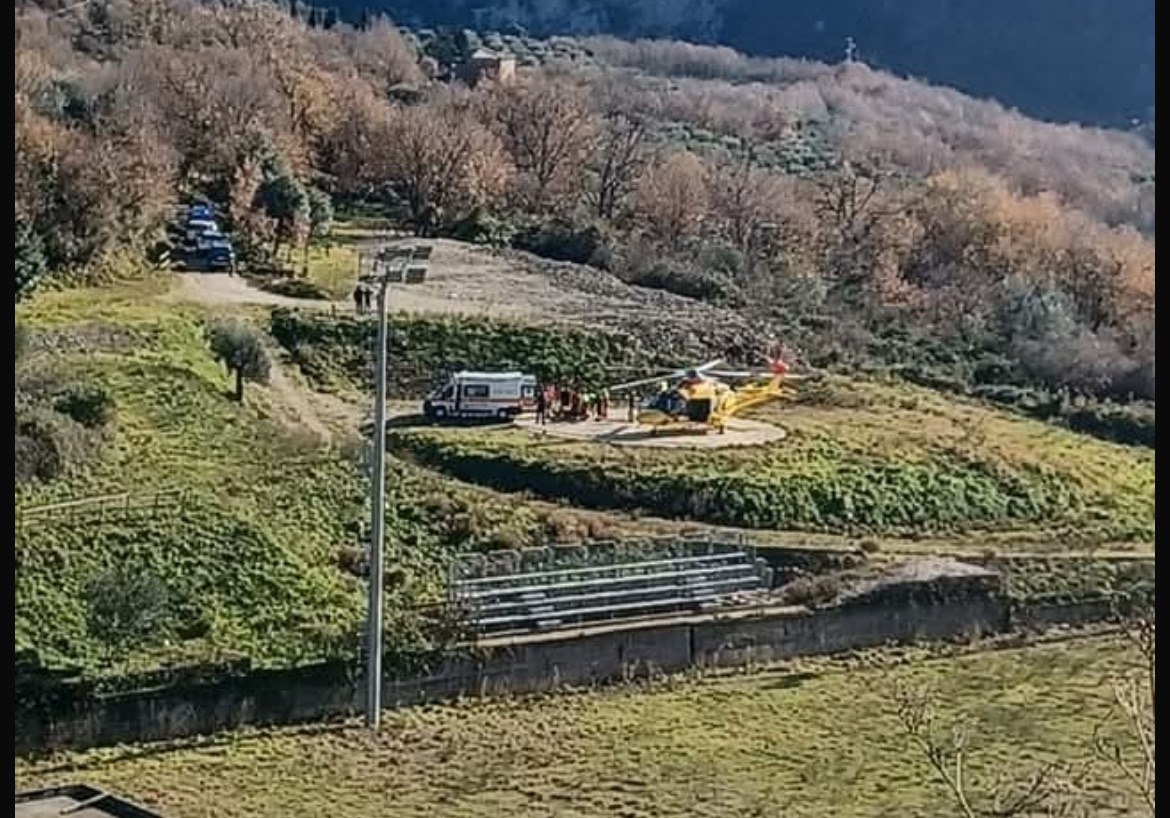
(200, 212)
(218, 254)
(199, 227)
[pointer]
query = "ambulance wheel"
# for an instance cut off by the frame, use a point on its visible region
(504, 416)
(439, 413)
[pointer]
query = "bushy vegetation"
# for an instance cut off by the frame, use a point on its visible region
(295, 288)
(1131, 423)
(336, 351)
(60, 425)
(858, 458)
(262, 555)
(812, 204)
(840, 218)
(1075, 578)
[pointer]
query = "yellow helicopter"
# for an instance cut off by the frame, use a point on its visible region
(699, 399)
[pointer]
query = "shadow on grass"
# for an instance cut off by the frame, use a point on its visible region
(110, 757)
(790, 681)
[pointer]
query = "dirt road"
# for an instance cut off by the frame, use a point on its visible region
(471, 280)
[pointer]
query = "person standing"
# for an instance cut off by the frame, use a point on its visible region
(359, 298)
(542, 407)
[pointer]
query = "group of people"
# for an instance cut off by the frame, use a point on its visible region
(568, 403)
(363, 298)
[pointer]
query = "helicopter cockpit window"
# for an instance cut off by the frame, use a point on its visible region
(671, 403)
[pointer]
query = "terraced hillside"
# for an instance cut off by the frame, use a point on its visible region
(803, 741)
(261, 555)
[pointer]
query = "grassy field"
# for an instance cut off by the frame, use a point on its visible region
(860, 457)
(333, 265)
(807, 740)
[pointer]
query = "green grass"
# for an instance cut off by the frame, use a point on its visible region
(253, 553)
(860, 457)
(333, 265)
(256, 557)
(809, 740)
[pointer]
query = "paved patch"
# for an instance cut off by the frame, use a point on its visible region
(740, 432)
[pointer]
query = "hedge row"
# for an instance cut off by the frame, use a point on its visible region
(337, 350)
(819, 490)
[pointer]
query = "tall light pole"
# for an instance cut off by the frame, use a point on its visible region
(390, 266)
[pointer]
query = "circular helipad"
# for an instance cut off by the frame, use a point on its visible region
(739, 432)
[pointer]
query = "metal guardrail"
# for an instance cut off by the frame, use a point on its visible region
(545, 600)
(104, 506)
(596, 554)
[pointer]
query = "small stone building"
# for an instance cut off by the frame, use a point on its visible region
(487, 66)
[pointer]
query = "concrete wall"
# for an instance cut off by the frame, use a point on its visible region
(61, 716)
(845, 628)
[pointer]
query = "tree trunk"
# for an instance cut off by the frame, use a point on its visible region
(239, 386)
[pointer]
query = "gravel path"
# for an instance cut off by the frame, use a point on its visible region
(472, 280)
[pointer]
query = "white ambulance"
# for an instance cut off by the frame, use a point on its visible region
(499, 395)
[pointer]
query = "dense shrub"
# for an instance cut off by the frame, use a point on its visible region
(811, 591)
(681, 278)
(90, 405)
(334, 350)
(479, 226)
(823, 488)
(129, 607)
(30, 259)
(1132, 423)
(560, 241)
(49, 444)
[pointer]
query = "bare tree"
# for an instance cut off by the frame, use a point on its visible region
(438, 156)
(672, 197)
(743, 195)
(847, 197)
(1132, 753)
(618, 158)
(346, 149)
(548, 128)
(1050, 789)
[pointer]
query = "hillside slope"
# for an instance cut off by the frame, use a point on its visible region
(1085, 61)
(261, 556)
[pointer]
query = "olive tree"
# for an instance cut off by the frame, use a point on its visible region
(240, 348)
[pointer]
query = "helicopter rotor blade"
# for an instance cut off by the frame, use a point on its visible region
(621, 387)
(720, 373)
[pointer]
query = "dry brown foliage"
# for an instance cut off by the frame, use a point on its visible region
(548, 128)
(439, 157)
(672, 197)
(924, 128)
